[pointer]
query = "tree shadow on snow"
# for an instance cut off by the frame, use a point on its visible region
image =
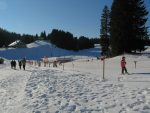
(138, 78)
(141, 73)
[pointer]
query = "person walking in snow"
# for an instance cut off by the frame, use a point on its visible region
(14, 63)
(19, 63)
(11, 63)
(123, 65)
(24, 63)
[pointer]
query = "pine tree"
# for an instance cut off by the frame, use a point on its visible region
(127, 28)
(105, 31)
(43, 35)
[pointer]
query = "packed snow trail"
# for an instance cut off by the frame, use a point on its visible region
(12, 85)
(57, 91)
(52, 90)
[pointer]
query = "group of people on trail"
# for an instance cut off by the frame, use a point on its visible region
(21, 63)
(123, 66)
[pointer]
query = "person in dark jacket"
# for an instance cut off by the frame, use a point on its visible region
(24, 63)
(14, 64)
(11, 63)
(19, 63)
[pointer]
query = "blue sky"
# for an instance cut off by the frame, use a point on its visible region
(80, 17)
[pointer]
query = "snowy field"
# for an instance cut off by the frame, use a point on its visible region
(77, 87)
(39, 49)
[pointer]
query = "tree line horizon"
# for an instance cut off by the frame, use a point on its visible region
(60, 38)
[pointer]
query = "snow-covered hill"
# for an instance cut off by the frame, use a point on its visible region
(78, 88)
(75, 87)
(39, 49)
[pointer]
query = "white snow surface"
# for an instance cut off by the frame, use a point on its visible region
(39, 49)
(75, 87)
(78, 88)
(14, 43)
(37, 44)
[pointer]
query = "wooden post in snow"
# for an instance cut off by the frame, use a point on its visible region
(135, 63)
(103, 68)
(103, 59)
(63, 66)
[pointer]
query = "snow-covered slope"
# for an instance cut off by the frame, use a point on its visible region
(14, 43)
(39, 49)
(38, 43)
(78, 88)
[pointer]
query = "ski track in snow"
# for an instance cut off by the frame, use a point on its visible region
(42, 90)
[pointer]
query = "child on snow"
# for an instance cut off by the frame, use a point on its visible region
(123, 65)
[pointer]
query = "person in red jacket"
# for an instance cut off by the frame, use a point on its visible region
(123, 65)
